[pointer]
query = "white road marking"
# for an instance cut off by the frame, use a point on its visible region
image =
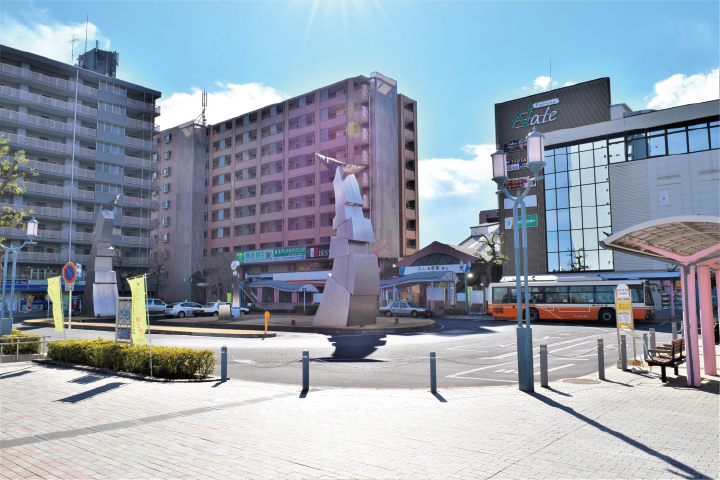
(469, 371)
(487, 379)
(557, 368)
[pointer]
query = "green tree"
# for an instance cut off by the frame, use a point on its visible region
(12, 183)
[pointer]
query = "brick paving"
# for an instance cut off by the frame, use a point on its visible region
(67, 424)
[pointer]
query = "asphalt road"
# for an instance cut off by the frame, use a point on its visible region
(470, 353)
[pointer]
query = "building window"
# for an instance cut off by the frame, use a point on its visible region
(109, 107)
(166, 171)
(109, 127)
(166, 204)
(110, 148)
(166, 187)
(167, 154)
(164, 237)
(326, 219)
(167, 138)
(411, 244)
(164, 221)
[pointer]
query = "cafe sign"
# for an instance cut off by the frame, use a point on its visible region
(515, 145)
(529, 119)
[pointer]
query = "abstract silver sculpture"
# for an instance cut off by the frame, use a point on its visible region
(101, 290)
(351, 292)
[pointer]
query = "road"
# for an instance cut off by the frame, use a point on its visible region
(470, 353)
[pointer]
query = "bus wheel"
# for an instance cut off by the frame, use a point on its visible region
(534, 315)
(607, 315)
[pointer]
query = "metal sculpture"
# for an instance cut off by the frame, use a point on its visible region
(351, 292)
(101, 290)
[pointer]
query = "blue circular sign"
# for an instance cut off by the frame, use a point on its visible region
(69, 273)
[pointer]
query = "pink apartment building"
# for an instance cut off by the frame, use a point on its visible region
(266, 190)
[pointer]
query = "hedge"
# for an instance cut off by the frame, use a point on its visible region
(310, 309)
(18, 336)
(454, 311)
(168, 362)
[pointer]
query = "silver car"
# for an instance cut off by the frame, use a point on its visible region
(405, 308)
(156, 306)
(181, 309)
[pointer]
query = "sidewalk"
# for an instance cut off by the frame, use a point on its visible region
(59, 423)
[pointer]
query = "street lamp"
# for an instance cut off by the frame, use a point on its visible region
(31, 231)
(535, 156)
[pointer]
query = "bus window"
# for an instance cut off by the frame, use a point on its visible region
(649, 301)
(537, 294)
(556, 294)
(503, 295)
(581, 294)
(637, 293)
(605, 294)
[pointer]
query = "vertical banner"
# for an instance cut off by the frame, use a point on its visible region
(623, 307)
(139, 313)
(56, 299)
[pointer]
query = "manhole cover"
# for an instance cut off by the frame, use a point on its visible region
(584, 381)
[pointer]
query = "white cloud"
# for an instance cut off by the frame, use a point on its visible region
(227, 101)
(47, 37)
(543, 83)
(442, 177)
(568, 84)
(680, 89)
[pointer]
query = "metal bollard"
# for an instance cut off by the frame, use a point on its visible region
(601, 359)
(674, 330)
(652, 338)
(223, 364)
(306, 371)
(17, 353)
(645, 344)
(623, 353)
(433, 371)
(543, 366)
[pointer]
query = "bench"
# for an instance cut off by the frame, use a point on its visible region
(670, 355)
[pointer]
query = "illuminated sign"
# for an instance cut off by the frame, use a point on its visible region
(529, 119)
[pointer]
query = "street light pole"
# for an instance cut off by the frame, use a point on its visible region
(535, 148)
(465, 274)
(31, 232)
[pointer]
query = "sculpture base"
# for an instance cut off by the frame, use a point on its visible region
(339, 308)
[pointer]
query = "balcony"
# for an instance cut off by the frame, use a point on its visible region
(41, 100)
(140, 162)
(59, 169)
(44, 122)
(143, 105)
(57, 82)
(334, 121)
(143, 241)
(136, 261)
(47, 145)
(129, 201)
(409, 134)
(361, 116)
(51, 257)
(140, 221)
(63, 213)
(139, 142)
(32, 187)
(42, 234)
(132, 122)
(409, 154)
(337, 141)
(139, 181)
(362, 158)
(339, 97)
(361, 94)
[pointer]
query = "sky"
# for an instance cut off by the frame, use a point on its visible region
(456, 59)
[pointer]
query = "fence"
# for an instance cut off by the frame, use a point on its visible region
(17, 341)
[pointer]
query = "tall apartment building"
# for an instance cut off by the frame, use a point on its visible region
(269, 196)
(181, 175)
(44, 105)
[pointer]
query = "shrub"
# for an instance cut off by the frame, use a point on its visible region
(454, 311)
(310, 308)
(168, 362)
(18, 337)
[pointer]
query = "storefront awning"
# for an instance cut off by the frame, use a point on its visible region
(416, 278)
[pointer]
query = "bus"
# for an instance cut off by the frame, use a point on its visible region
(589, 298)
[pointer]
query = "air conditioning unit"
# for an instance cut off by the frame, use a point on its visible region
(365, 112)
(365, 90)
(365, 156)
(365, 134)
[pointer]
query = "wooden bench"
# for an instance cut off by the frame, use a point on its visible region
(670, 355)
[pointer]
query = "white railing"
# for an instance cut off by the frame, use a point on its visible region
(82, 236)
(131, 240)
(46, 144)
(139, 142)
(53, 168)
(139, 162)
(55, 190)
(140, 124)
(139, 181)
(31, 97)
(45, 122)
(138, 202)
(51, 257)
(57, 212)
(58, 82)
(141, 261)
(143, 105)
(142, 221)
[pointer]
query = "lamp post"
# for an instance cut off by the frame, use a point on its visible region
(535, 155)
(31, 232)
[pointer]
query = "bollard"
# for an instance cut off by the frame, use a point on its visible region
(433, 377)
(645, 344)
(674, 330)
(652, 339)
(543, 366)
(623, 354)
(601, 360)
(223, 364)
(306, 371)
(150, 342)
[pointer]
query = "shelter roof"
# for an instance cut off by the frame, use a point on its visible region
(461, 253)
(422, 277)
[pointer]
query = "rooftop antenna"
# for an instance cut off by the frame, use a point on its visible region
(72, 47)
(87, 20)
(551, 74)
(204, 107)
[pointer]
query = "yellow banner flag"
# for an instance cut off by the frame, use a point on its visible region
(139, 307)
(56, 299)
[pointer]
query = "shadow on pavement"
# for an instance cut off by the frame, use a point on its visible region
(692, 473)
(91, 393)
(440, 397)
(86, 379)
(14, 374)
(355, 347)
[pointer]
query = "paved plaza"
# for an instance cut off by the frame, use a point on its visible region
(62, 423)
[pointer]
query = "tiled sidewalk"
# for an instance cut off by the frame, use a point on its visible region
(59, 423)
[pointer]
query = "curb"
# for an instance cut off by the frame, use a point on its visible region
(110, 327)
(325, 330)
(133, 376)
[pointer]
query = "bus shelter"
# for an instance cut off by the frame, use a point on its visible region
(431, 279)
(693, 243)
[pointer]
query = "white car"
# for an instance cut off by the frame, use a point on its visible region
(214, 309)
(181, 309)
(156, 306)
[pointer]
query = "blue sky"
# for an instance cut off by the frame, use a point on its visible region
(457, 59)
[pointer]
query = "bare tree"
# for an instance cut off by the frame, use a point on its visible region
(217, 273)
(578, 260)
(158, 272)
(120, 265)
(490, 254)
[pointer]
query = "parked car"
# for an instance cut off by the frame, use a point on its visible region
(181, 309)
(156, 306)
(405, 308)
(214, 309)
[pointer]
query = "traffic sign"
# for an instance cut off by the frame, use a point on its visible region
(69, 273)
(69, 287)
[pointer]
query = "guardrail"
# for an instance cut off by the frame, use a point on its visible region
(16, 342)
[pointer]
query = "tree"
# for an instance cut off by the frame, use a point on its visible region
(490, 255)
(120, 264)
(12, 183)
(217, 273)
(578, 260)
(157, 279)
